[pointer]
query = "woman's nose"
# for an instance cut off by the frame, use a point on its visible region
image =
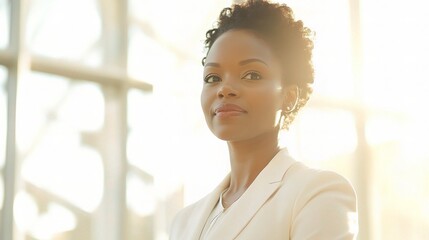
(227, 91)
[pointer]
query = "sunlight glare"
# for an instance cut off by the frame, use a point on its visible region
(55, 164)
(55, 220)
(25, 210)
(62, 28)
(141, 196)
(329, 20)
(331, 136)
(146, 57)
(83, 108)
(41, 96)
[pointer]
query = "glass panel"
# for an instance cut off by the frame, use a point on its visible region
(148, 59)
(183, 37)
(395, 54)
(141, 203)
(142, 144)
(42, 219)
(65, 29)
(400, 186)
(4, 23)
(395, 73)
(154, 142)
(142, 147)
(330, 21)
(59, 131)
(324, 138)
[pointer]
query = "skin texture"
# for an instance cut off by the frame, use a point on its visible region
(241, 69)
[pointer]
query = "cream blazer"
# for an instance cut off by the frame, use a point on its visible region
(287, 200)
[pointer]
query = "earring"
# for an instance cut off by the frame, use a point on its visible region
(288, 110)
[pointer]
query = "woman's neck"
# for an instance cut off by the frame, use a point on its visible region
(248, 158)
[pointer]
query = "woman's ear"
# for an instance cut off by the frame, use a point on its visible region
(291, 96)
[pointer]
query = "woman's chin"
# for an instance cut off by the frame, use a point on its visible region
(226, 135)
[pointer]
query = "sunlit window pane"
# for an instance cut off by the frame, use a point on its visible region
(142, 139)
(148, 59)
(401, 179)
(140, 195)
(43, 220)
(324, 138)
(183, 37)
(4, 22)
(59, 128)
(155, 138)
(65, 29)
(142, 147)
(152, 145)
(141, 205)
(396, 54)
(401, 165)
(330, 21)
(395, 74)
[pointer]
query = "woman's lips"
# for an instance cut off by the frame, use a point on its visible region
(227, 110)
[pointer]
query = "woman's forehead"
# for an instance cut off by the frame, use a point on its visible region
(239, 45)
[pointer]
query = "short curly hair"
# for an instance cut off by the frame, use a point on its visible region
(289, 39)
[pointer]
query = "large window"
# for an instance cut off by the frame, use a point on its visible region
(371, 70)
(60, 124)
(395, 73)
(69, 30)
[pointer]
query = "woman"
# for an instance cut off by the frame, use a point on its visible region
(257, 75)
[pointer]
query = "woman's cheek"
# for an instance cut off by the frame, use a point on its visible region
(206, 101)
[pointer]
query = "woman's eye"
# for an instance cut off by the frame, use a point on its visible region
(211, 79)
(252, 76)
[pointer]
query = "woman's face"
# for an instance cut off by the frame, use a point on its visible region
(242, 96)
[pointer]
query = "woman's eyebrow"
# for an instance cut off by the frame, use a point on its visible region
(241, 63)
(212, 64)
(250, 60)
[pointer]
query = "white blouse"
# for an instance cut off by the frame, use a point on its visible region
(215, 216)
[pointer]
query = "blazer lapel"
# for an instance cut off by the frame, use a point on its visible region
(205, 207)
(263, 187)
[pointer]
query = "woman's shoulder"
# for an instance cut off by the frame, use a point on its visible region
(303, 175)
(323, 199)
(318, 179)
(320, 187)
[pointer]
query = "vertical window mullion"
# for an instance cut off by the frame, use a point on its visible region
(17, 66)
(114, 47)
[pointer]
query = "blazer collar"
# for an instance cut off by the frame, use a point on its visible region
(242, 211)
(204, 208)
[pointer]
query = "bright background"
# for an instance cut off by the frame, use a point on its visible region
(102, 137)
